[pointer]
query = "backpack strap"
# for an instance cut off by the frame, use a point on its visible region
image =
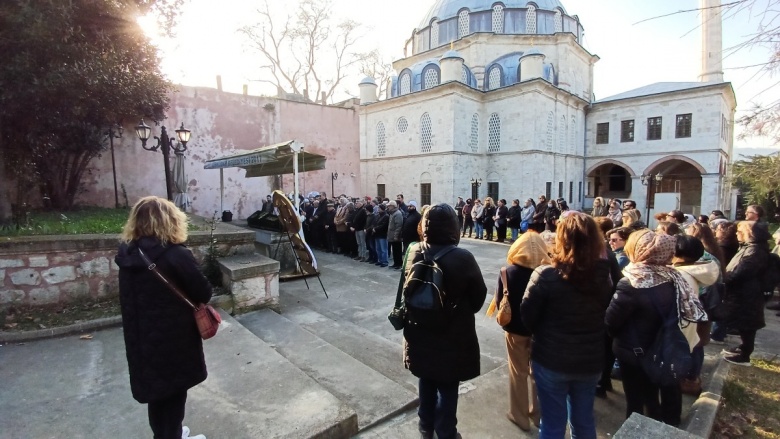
(503, 281)
(403, 276)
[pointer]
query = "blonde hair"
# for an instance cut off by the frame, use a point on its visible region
(489, 201)
(156, 217)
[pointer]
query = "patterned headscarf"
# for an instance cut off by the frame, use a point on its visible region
(649, 254)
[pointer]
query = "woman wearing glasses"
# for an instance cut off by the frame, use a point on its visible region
(617, 240)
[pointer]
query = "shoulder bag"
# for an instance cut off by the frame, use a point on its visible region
(504, 315)
(397, 316)
(206, 317)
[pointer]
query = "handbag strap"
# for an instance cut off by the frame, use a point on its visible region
(403, 276)
(503, 281)
(153, 268)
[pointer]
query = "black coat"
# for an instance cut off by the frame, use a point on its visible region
(502, 213)
(487, 216)
(567, 319)
(540, 213)
(162, 342)
(514, 217)
(451, 355)
(517, 278)
(633, 319)
(745, 298)
(359, 220)
(381, 222)
(409, 229)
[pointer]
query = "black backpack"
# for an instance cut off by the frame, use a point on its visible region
(425, 299)
(770, 278)
(668, 360)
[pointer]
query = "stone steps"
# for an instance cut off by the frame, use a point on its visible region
(372, 395)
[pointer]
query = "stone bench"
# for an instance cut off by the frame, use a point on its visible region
(253, 280)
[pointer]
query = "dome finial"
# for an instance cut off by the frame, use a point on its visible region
(452, 45)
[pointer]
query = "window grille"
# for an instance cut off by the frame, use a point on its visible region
(381, 140)
(464, 75)
(406, 83)
(654, 128)
(494, 133)
(550, 128)
(425, 194)
(402, 125)
(494, 78)
(627, 131)
(498, 19)
(602, 133)
(474, 139)
(426, 133)
(463, 24)
(430, 78)
(530, 20)
(434, 34)
(683, 128)
(558, 21)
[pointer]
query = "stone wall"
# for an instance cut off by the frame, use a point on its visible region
(41, 270)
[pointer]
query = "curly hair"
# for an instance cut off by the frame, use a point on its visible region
(578, 246)
(156, 217)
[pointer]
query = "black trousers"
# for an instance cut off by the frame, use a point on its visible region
(397, 253)
(748, 342)
(642, 396)
(166, 416)
(501, 232)
(609, 360)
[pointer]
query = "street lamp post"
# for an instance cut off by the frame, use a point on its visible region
(646, 181)
(165, 144)
(333, 177)
(114, 132)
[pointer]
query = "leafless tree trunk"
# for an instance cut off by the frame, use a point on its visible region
(307, 52)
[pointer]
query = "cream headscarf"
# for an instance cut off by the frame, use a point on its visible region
(529, 251)
(649, 254)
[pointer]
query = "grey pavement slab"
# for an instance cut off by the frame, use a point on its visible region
(641, 427)
(373, 396)
(75, 388)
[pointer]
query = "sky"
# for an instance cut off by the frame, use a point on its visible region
(632, 52)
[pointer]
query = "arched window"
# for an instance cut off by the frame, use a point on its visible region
(530, 19)
(464, 75)
(558, 21)
(463, 23)
(426, 133)
(381, 140)
(434, 34)
(562, 135)
(402, 125)
(494, 78)
(498, 19)
(573, 131)
(550, 128)
(406, 83)
(494, 133)
(474, 138)
(430, 77)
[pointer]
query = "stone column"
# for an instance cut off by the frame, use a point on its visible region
(710, 193)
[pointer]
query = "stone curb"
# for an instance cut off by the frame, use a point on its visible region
(91, 325)
(705, 409)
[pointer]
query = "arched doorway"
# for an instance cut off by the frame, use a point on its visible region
(674, 183)
(609, 180)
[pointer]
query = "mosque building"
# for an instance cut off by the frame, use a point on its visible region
(495, 98)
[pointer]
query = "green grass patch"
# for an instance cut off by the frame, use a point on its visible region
(79, 221)
(751, 398)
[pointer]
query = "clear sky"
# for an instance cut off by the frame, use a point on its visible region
(632, 55)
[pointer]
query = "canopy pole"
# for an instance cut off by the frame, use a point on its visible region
(221, 189)
(296, 147)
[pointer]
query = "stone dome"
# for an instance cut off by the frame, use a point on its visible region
(445, 9)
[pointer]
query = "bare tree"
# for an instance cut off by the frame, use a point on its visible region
(374, 65)
(308, 52)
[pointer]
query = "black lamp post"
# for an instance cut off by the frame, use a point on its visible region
(475, 184)
(165, 144)
(114, 132)
(646, 181)
(333, 177)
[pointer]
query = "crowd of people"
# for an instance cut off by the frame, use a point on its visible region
(587, 294)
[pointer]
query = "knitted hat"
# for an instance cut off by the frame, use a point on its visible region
(413, 203)
(392, 204)
(529, 251)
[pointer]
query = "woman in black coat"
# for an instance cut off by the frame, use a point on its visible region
(162, 342)
(745, 297)
(489, 220)
(444, 357)
(502, 214)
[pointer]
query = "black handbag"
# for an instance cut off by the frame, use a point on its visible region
(397, 316)
(712, 299)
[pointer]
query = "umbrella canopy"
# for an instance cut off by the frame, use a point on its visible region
(181, 199)
(270, 160)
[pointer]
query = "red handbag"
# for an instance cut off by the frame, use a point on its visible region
(206, 317)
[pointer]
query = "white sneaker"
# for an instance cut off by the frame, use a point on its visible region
(185, 432)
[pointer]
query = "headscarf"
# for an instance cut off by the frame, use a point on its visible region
(649, 253)
(529, 251)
